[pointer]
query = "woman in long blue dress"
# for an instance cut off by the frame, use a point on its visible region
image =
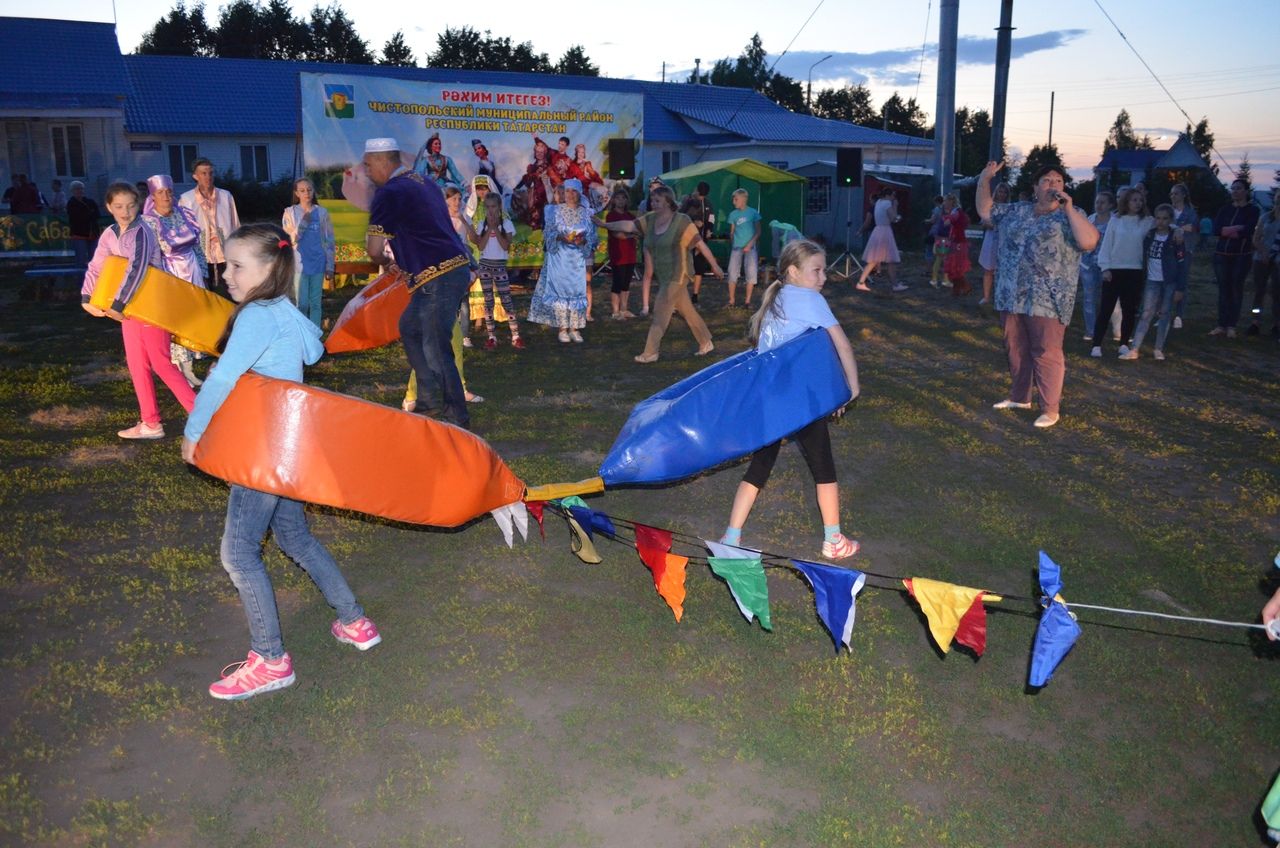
(569, 244)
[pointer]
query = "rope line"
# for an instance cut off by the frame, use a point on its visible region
(782, 561)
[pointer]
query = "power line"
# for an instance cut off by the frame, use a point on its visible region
(784, 52)
(1154, 76)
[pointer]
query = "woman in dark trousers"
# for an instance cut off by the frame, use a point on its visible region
(1234, 226)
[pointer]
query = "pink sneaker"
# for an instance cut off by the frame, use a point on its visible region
(142, 430)
(841, 548)
(253, 677)
(362, 633)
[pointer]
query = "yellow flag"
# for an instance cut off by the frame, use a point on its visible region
(580, 543)
(945, 606)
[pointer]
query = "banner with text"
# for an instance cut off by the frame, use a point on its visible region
(526, 142)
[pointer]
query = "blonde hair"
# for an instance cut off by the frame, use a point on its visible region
(741, 191)
(795, 254)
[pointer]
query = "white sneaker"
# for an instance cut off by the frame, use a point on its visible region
(466, 341)
(1046, 420)
(1123, 350)
(1159, 354)
(576, 336)
(564, 337)
(1177, 322)
(1096, 353)
(901, 287)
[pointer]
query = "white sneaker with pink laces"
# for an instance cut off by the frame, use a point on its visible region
(362, 633)
(253, 677)
(841, 547)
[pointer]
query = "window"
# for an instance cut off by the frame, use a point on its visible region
(181, 158)
(68, 150)
(670, 160)
(817, 196)
(253, 163)
(19, 148)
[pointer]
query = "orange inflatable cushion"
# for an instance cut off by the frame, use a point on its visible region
(313, 445)
(372, 318)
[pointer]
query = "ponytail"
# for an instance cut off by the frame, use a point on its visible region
(792, 256)
(272, 246)
(766, 305)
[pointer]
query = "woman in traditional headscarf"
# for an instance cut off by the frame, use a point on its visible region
(178, 232)
(569, 239)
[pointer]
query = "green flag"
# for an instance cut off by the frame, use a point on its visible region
(746, 581)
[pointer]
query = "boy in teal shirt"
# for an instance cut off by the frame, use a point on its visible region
(744, 235)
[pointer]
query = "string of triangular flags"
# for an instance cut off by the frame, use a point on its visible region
(955, 614)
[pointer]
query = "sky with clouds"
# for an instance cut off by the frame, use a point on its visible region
(1226, 70)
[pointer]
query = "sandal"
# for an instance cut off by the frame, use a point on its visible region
(646, 358)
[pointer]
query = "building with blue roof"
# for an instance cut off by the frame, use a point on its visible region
(1121, 168)
(75, 107)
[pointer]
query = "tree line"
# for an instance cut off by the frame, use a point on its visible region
(269, 30)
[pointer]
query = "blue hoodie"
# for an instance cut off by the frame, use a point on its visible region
(271, 338)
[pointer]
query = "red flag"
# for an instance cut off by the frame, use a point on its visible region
(652, 537)
(535, 509)
(972, 631)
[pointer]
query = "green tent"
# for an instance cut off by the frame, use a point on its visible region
(774, 193)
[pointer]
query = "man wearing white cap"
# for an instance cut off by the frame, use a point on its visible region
(409, 217)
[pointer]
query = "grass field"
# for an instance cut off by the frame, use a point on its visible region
(523, 698)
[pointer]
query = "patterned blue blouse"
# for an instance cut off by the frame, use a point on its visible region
(1039, 262)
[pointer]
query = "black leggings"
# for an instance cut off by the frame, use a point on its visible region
(1126, 286)
(815, 446)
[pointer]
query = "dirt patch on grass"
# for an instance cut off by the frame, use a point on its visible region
(92, 456)
(65, 417)
(101, 371)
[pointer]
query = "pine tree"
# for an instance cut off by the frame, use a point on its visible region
(397, 52)
(180, 33)
(576, 63)
(1245, 172)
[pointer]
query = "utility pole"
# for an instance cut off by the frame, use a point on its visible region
(1004, 49)
(1051, 94)
(944, 122)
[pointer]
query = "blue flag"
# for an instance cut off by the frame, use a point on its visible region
(1058, 630)
(588, 519)
(835, 595)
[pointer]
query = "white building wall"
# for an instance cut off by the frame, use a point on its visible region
(30, 136)
(223, 151)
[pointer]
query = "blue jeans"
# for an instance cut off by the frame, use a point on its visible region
(309, 288)
(1230, 271)
(426, 329)
(1091, 290)
(249, 514)
(1156, 297)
